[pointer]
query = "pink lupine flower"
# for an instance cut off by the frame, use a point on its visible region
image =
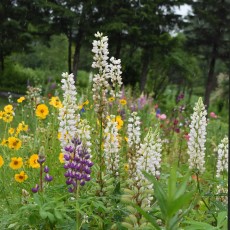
(213, 115)
(162, 116)
(186, 136)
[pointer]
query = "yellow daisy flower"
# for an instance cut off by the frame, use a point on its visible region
(21, 99)
(22, 127)
(1, 161)
(7, 117)
(1, 114)
(61, 158)
(42, 111)
(4, 142)
(123, 102)
(126, 167)
(11, 131)
(55, 102)
(111, 99)
(16, 163)
(86, 102)
(21, 177)
(8, 108)
(119, 121)
(14, 143)
(33, 161)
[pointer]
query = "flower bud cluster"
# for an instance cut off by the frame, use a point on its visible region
(77, 164)
(222, 159)
(67, 117)
(197, 137)
(111, 147)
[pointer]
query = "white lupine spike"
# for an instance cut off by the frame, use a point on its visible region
(115, 76)
(150, 155)
(133, 131)
(111, 147)
(100, 81)
(197, 137)
(67, 116)
(84, 134)
(222, 158)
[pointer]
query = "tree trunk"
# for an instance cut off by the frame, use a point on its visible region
(144, 69)
(70, 51)
(211, 76)
(76, 57)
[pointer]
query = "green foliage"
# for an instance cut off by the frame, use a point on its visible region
(16, 77)
(222, 223)
(172, 202)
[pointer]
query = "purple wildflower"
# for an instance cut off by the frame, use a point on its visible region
(48, 178)
(35, 189)
(77, 165)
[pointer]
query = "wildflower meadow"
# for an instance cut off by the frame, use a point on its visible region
(105, 159)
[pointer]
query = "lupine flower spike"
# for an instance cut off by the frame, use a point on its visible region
(197, 137)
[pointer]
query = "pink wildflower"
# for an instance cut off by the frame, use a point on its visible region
(186, 136)
(162, 116)
(213, 115)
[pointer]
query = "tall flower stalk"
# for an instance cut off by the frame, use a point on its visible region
(141, 191)
(111, 147)
(134, 138)
(222, 168)
(222, 158)
(197, 138)
(67, 116)
(106, 82)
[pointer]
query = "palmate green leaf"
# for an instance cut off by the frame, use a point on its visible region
(147, 217)
(159, 193)
(43, 213)
(51, 217)
(57, 214)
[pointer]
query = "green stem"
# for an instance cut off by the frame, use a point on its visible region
(77, 212)
(199, 191)
(41, 182)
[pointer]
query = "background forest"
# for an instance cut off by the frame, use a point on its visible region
(162, 52)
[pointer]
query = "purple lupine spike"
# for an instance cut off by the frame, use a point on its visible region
(78, 165)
